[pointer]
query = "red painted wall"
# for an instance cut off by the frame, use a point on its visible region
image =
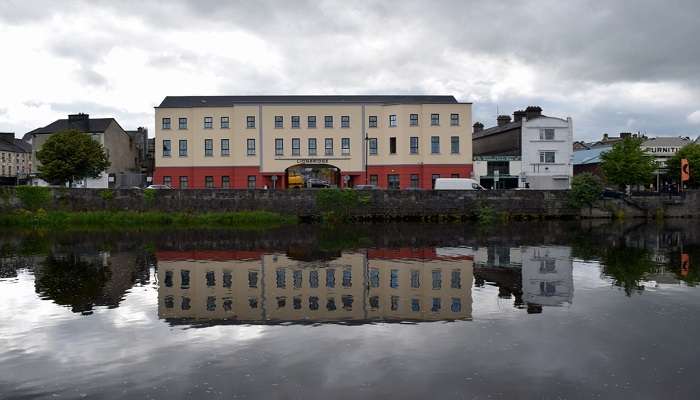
(424, 173)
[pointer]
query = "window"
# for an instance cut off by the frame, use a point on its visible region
(208, 122)
(345, 121)
(225, 183)
(225, 151)
(434, 119)
(251, 181)
(185, 303)
(435, 144)
(330, 304)
(329, 146)
(345, 146)
(374, 302)
(211, 278)
(250, 143)
(184, 279)
(252, 279)
(414, 145)
(392, 145)
(373, 146)
(183, 148)
(313, 279)
(182, 123)
(279, 121)
(169, 302)
(436, 304)
(392, 121)
(328, 121)
(347, 278)
(454, 119)
(414, 181)
(183, 182)
(437, 279)
(295, 121)
(208, 182)
(166, 148)
(168, 180)
(279, 147)
(393, 181)
(250, 121)
(433, 178)
(224, 122)
(394, 303)
(330, 278)
(374, 277)
(413, 120)
(547, 157)
(456, 304)
(456, 280)
(372, 121)
(208, 147)
(415, 279)
(281, 278)
(311, 121)
(166, 123)
(312, 146)
(394, 278)
(374, 180)
(454, 144)
(296, 146)
(547, 134)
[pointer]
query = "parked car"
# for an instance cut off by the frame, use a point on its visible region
(457, 184)
(158, 187)
(318, 183)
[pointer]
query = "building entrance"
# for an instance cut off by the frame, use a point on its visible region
(312, 175)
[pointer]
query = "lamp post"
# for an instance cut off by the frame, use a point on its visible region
(366, 157)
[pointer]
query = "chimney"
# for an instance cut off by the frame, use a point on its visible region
(478, 127)
(605, 137)
(624, 135)
(503, 120)
(518, 115)
(78, 117)
(79, 121)
(533, 112)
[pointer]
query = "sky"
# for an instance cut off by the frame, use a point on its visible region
(613, 66)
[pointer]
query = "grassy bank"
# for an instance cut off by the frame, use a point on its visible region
(149, 219)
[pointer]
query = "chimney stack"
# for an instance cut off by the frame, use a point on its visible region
(518, 115)
(624, 135)
(79, 121)
(478, 127)
(533, 112)
(503, 120)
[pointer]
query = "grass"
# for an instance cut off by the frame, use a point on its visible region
(149, 219)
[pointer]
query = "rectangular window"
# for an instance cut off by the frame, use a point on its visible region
(312, 146)
(295, 121)
(166, 123)
(209, 182)
(347, 278)
(297, 279)
(433, 178)
(374, 180)
(296, 146)
(372, 121)
(437, 279)
(168, 180)
(225, 150)
(250, 149)
(225, 182)
(392, 121)
(374, 277)
(392, 145)
(328, 121)
(454, 119)
(183, 182)
(252, 279)
(434, 119)
(329, 146)
(393, 180)
(415, 279)
(415, 183)
(454, 144)
(183, 148)
(394, 278)
(313, 279)
(279, 147)
(251, 182)
(547, 134)
(279, 121)
(330, 278)
(435, 144)
(547, 157)
(456, 280)
(184, 279)
(413, 120)
(414, 145)
(345, 146)
(166, 148)
(224, 122)
(436, 304)
(311, 121)
(281, 278)
(208, 147)
(345, 121)
(373, 146)
(250, 121)
(182, 123)
(208, 122)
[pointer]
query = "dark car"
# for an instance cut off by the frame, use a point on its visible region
(318, 183)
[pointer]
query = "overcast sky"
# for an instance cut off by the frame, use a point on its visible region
(612, 66)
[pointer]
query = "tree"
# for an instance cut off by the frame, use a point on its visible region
(690, 152)
(585, 190)
(627, 164)
(69, 156)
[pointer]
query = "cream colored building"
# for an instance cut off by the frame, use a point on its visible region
(258, 141)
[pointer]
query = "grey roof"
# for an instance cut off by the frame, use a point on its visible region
(94, 125)
(498, 129)
(228, 101)
(589, 156)
(667, 141)
(8, 142)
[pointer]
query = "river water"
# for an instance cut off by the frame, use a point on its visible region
(525, 310)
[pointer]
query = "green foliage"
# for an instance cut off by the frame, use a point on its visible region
(338, 204)
(69, 156)
(586, 188)
(149, 196)
(33, 197)
(485, 215)
(107, 194)
(627, 163)
(692, 153)
(627, 267)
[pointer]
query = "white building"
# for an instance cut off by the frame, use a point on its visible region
(547, 273)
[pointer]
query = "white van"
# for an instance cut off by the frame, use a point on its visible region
(457, 184)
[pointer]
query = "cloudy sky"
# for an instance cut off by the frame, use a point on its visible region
(613, 66)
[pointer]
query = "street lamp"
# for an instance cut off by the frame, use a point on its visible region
(366, 156)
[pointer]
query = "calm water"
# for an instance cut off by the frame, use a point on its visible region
(537, 310)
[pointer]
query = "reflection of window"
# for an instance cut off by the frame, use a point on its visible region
(168, 278)
(436, 304)
(330, 304)
(394, 278)
(280, 275)
(374, 277)
(185, 305)
(347, 278)
(211, 279)
(415, 279)
(330, 278)
(347, 302)
(456, 304)
(228, 304)
(169, 302)
(548, 265)
(415, 305)
(296, 278)
(281, 302)
(437, 279)
(547, 289)
(313, 279)
(227, 279)
(211, 303)
(184, 279)
(374, 301)
(296, 303)
(252, 279)
(253, 302)
(313, 303)
(456, 280)
(394, 303)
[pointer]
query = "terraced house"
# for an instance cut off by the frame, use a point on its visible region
(393, 142)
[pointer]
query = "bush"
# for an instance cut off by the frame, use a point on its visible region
(34, 197)
(586, 189)
(107, 194)
(149, 195)
(337, 204)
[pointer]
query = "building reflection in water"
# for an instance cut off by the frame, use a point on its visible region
(387, 285)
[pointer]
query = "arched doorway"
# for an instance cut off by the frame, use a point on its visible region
(312, 175)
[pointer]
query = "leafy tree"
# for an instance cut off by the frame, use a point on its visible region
(692, 153)
(627, 163)
(69, 156)
(585, 190)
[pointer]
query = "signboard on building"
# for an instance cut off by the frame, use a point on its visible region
(496, 158)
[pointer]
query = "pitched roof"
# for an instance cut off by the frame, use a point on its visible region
(228, 101)
(498, 129)
(9, 143)
(667, 141)
(589, 156)
(94, 125)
